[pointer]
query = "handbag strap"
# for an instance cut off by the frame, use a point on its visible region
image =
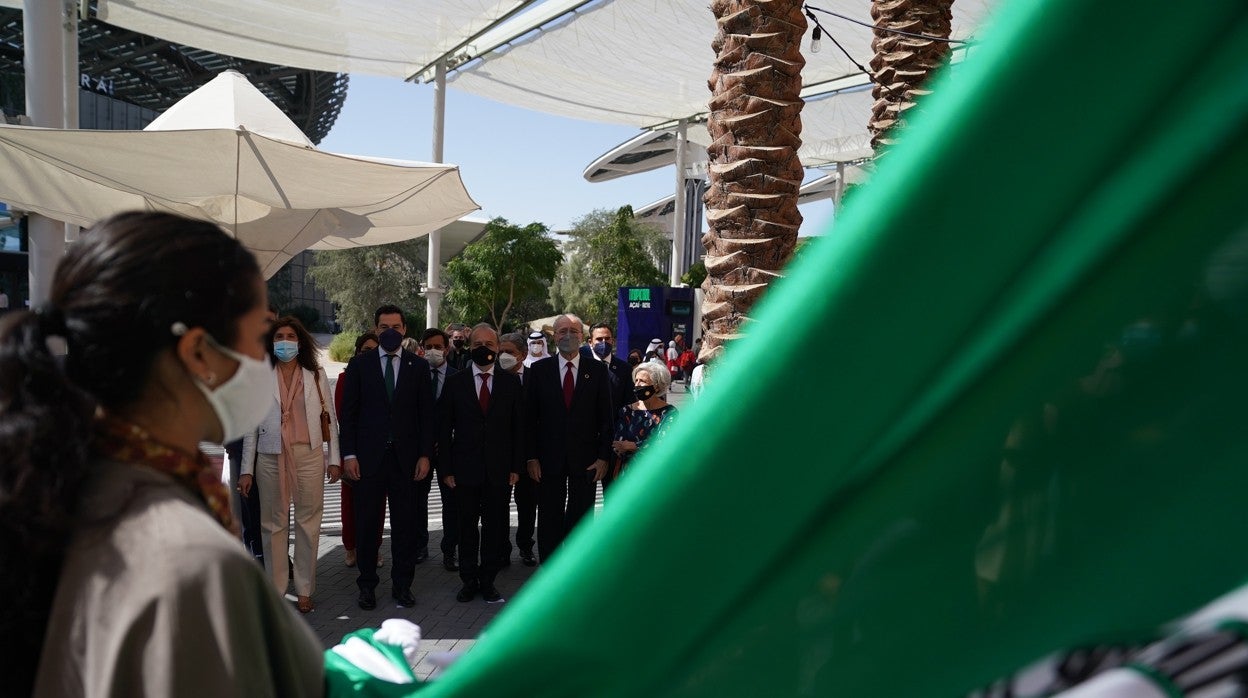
(316, 378)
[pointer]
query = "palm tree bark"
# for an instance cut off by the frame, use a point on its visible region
(903, 64)
(754, 173)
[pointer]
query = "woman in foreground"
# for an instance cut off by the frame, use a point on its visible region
(122, 571)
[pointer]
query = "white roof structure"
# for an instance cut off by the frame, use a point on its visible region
(637, 62)
(660, 212)
(644, 63)
(395, 38)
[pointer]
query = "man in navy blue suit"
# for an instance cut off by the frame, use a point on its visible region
(387, 427)
(481, 447)
(569, 439)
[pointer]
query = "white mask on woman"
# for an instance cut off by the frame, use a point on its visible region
(242, 402)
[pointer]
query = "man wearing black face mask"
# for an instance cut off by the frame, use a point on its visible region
(387, 426)
(481, 441)
(602, 348)
(457, 354)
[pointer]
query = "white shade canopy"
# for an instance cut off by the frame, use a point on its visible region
(643, 63)
(395, 38)
(634, 62)
(267, 185)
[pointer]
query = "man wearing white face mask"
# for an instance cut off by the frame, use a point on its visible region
(436, 344)
(537, 348)
(511, 356)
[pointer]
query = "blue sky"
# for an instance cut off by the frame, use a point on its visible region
(519, 164)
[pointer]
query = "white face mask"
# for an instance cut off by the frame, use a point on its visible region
(507, 361)
(537, 348)
(242, 402)
(435, 357)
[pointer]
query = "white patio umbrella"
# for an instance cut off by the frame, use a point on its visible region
(225, 153)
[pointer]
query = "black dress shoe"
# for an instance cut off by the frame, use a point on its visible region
(422, 555)
(404, 599)
(449, 562)
(466, 592)
(526, 556)
(490, 594)
(368, 600)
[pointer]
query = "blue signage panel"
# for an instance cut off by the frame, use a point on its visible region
(652, 312)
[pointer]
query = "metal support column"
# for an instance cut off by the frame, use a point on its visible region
(69, 63)
(679, 224)
(44, 35)
(433, 286)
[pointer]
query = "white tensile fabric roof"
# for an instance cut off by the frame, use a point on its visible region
(394, 38)
(646, 62)
(636, 62)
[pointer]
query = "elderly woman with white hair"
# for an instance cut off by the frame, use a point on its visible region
(639, 422)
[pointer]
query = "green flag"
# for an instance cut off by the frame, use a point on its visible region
(996, 412)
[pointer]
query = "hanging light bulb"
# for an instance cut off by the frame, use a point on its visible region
(815, 40)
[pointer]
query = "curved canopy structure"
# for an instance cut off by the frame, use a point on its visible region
(154, 73)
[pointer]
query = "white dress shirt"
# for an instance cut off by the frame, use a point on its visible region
(563, 364)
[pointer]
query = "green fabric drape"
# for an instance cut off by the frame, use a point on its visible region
(995, 412)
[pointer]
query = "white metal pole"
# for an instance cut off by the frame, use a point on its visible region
(839, 191)
(43, 36)
(678, 216)
(433, 290)
(69, 64)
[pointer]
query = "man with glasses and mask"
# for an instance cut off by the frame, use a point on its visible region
(572, 425)
(387, 426)
(436, 344)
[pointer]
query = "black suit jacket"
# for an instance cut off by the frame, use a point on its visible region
(621, 375)
(478, 448)
(569, 440)
(369, 420)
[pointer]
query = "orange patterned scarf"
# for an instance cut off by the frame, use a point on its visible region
(121, 441)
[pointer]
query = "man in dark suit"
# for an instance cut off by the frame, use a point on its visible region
(435, 344)
(602, 348)
(569, 399)
(481, 444)
(512, 351)
(387, 427)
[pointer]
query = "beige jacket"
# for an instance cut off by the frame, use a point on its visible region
(157, 599)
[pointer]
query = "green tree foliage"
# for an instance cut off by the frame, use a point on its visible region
(502, 272)
(695, 276)
(360, 280)
(607, 250)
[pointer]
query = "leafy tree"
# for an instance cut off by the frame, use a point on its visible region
(695, 276)
(607, 250)
(499, 274)
(361, 279)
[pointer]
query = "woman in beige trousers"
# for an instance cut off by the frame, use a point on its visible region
(286, 459)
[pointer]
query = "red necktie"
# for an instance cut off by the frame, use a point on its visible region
(567, 387)
(484, 397)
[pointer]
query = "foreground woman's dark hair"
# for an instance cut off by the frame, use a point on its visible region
(114, 298)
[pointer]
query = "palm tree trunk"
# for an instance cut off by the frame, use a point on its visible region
(754, 174)
(902, 64)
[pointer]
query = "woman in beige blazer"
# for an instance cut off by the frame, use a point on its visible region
(286, 458)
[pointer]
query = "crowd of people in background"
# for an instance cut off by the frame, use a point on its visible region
(103, 476)
(537, 418)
